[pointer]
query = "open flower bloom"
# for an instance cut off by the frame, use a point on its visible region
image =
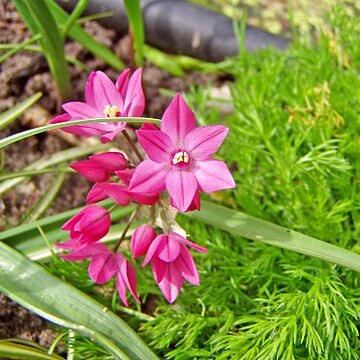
(104, 264)
(103, 98)
(171, 262)
(180, 158)
(89, 225)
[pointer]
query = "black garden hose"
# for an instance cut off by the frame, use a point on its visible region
(179, 27)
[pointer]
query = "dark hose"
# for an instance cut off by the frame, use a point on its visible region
(179, 27)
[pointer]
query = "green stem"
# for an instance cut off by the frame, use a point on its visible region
(122, 237)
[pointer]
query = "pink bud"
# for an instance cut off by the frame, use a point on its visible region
(89, 225)
(142, 237)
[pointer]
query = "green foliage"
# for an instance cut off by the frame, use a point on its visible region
(256, 301)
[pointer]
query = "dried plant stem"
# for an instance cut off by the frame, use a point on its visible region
(133, 145)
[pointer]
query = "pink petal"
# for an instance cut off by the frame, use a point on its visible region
(125, 175)
(149, 178)
(195, 203)
(106, 93)
(156, 144)
(110, 134)
(135, 99)
(204, 141)
(171, 283)
(128, 275)
(117, 192)
(182, 186)
(82, 252)
(89, 90)
(111, 161)
(122, 82)
(77, 109)
(178, 120)
(186, 265)
(213, 175)
(149, 126)
(141, 239)
(90, 171)
(168, 250)
(149, 199)
(158, 268)
(187, 242)
(95, 194)
(102, 268)
(158, 241)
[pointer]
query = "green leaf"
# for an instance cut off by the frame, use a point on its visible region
(28, 133)
(79, 35)
(39, 19)
(25, 350)
(32, 286)
(10, 115)
(249, 227)
(133, 11)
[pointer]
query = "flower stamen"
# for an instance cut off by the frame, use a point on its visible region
(111, 110)
(180, 157)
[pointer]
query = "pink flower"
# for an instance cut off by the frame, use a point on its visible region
(180, 158)
(141, 239)
(104, 99)
(89, 225)
(119, 191)
(105, 264)
(98, 168)
(172, 263)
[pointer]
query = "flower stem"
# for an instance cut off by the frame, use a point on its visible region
(127, 227)
(133, 146)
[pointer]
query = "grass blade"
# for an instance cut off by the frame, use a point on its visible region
(25, 134)
(13, 350)
(79, 35)
(10, 115)
(39, 19)
(35, 288)
(133, 11)
(249, 227)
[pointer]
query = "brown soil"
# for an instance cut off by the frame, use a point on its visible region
(24, 74)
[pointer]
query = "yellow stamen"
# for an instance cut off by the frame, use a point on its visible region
(111, 111)
(180, 157)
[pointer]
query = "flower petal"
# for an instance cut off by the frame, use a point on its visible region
(156, 144)
(178, 120)
(102, 268)
(204, 141)
(77, 109)
(213, 175)
(111, 161)
(187, 242)
(117, 192)
(186, 265)
(90, 171)
(158, 268)
(171, 283)
(169, 250)
(141, 239)
(158, 242)
(95, 194)
(149, 178)
(122, 82)
(106, 93)
(89, 90)
(135, 100)
(182, 186)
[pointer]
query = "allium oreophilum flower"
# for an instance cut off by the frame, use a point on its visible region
(178, 166)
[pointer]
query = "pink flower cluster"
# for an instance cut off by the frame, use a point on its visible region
(179, 163)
